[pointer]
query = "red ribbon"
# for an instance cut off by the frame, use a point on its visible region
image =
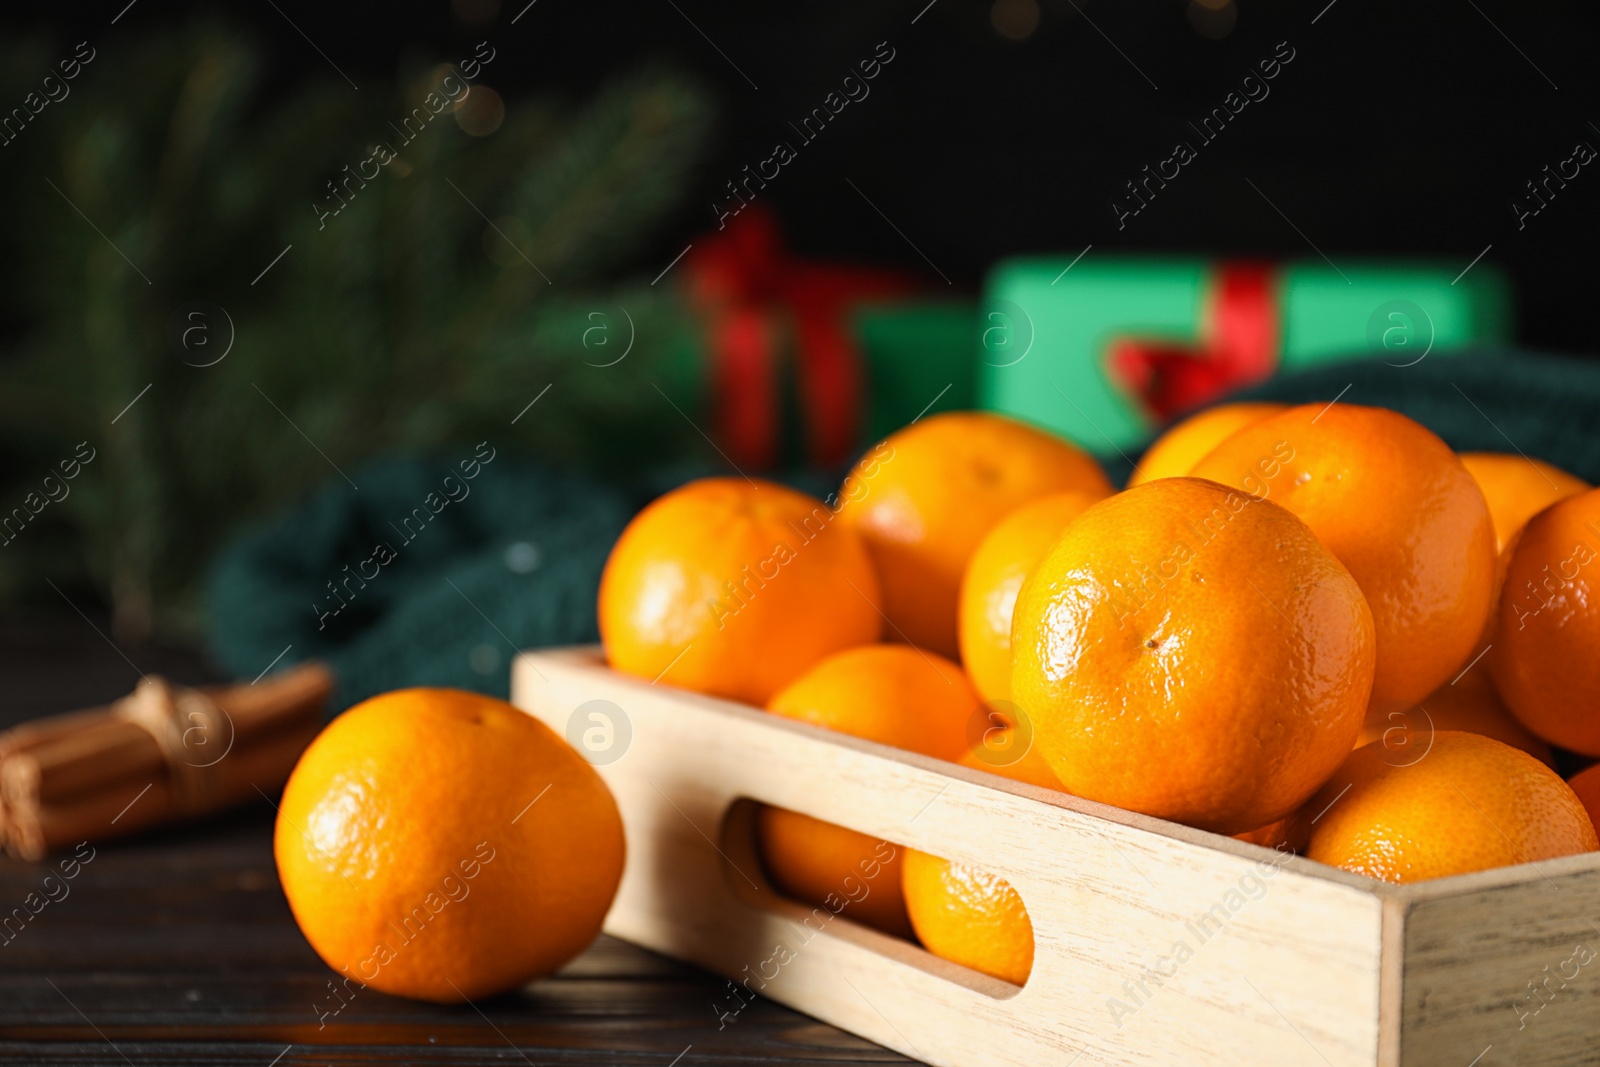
(1240, 339)
(752, 296)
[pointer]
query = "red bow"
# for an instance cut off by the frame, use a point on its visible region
(1239, 345)
(752, 295)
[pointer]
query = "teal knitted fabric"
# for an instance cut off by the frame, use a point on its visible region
(511, 559)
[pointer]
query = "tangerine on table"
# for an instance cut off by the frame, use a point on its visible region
(965, 914)
(735, 587)
(1176, 451)
(1398, 509)
(1470, 804)
(892, 694)
(925, 497)
(1006, 556)
(1544, 659)
(1194, 653)
(1517, 488)
(445, 846)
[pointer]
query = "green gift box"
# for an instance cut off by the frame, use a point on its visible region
(1105, 350)
(919, 359)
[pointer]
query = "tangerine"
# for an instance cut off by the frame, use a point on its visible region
(1471, 804)
(1517, 488)
(735, 587)
(892, 694)
(965, 914)
(1176, 451)
(1543, 660)
(421, 854)
(1586, 784)
(1006, 556)
(831, 866)
(1395, 505)
(1469, 704)
(925, 496)
(1192, 652)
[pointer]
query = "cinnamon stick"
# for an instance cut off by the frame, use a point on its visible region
(162, 754)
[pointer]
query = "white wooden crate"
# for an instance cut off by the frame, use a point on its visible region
(1284, 961)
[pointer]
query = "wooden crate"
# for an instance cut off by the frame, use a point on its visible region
(1154, 943)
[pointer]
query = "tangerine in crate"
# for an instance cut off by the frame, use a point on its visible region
(1175, 453)
(1467, 803)
(925, 497)
(735, 587)
(893, 694)
(1517, 488)
(994, 575)
(1469, 704)
(1191, 660)
(1194, 653)
(1544, 659)
(1395, 505)
(965, 914)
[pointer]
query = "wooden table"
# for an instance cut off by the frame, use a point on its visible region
(179, 948)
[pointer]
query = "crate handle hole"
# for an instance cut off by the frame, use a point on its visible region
(857, 909)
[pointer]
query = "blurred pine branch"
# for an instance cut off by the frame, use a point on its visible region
(406, 324)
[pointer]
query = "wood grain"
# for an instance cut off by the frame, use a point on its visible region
(1504, 965)
(179, 948)
(1283, 957)
(1297, 963)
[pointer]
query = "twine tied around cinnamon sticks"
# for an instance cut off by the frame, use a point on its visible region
(161, 754)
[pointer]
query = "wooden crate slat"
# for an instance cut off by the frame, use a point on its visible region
(1509, 971)
(1285, 955)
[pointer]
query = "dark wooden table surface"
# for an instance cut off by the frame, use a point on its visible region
(178, 948)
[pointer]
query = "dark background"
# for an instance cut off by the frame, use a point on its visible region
(1000, 127)
(1404, 129)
